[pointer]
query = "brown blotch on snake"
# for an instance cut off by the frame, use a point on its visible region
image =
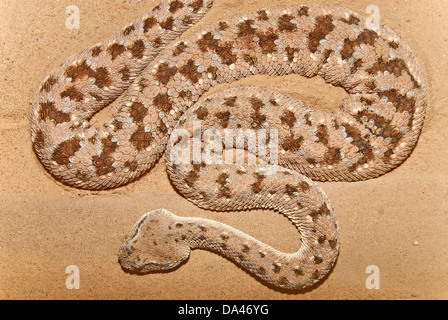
(262, 15)
(125, 73)
(304, 11)
(141, 139)
(190, 71)
(148, 23)
(128, 30)
(65, 150)
(72, 93)
(138, 111)
(48, 111)
(48, 84)
(137, 49)
(367, 37)
(324, 25)
(165, 73)
(351, 20)
(104, 161)
(256, 187)
(285, 24)
(115, 50)
(163, 102)
(224, 190)
(292, 144)
(175, 6)
(223, 118)
(167, 24)
(96, 51)
(180, 48)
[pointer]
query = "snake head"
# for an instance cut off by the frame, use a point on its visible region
(153, 244)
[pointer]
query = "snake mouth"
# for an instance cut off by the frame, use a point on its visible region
(131, 262)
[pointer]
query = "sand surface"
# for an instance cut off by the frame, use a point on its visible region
(398, 222)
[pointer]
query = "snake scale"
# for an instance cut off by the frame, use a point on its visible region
(162, 78)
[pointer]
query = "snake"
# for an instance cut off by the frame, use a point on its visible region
(163, 81)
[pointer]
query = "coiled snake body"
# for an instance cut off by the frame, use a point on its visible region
(373, 131)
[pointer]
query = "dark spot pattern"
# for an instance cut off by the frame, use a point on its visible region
(201, 113)
(323, 26)
(96, 51)
(39, 140)
(321, 212)
(48, 84)
(187, 21)
(307, 119)
(256, 187)
(223, 49)
(245, 28)
(298, 271)
(290, 53)
(267, 41)
(190, 71)
(48, 111)
(213, 71)
(290, 190)
(65, 150)
(395, 66)
(223, 25)
(368, 37)
(137, 49)
(141, 139)
(128, 30)
(72, 93)
(197, 5)
(179, 48)
(165, 73)
(132, 165)
(223, 118)
(116, 50)
(81, 70)
(175, 6)
(285, 24)
(125, 74)
(158, 42)
(163, 102)
(303, 11)
(292, 144)
(224, 190)
(262, 15)
(167, 24)
(246, 249)
(148, 23)
(257, 117)
(104, 162)
(353, 20)
(277, 268)
(138, 111)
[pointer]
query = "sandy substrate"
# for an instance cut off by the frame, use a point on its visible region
(398, 222)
